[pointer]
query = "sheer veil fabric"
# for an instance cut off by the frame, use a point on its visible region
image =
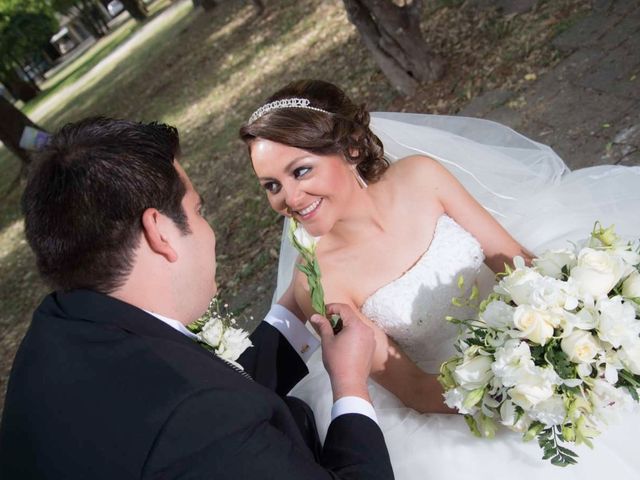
(532, 193)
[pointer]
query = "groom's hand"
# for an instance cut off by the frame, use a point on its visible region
(346, 355)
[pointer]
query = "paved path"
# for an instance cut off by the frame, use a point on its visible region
(588, 106)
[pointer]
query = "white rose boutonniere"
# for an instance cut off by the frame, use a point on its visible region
(216, 330)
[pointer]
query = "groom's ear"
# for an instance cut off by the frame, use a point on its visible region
(158, 230)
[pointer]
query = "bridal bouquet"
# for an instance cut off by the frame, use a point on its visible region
(555, 350)
(216, 331)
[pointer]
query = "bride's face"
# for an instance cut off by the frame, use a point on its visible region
(314, 189)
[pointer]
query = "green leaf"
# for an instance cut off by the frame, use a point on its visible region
(471, 423)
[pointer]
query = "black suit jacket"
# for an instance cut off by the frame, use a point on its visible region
(102, 390)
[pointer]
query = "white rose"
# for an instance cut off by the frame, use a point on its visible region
(474, 372)
(550, 263)
(597, 272)
(631, 286)
(550, 412)
(498, 314)
(519, 285)
(211, 332)
(234, 342)
(535, 325)
(629, 355)
(617, 324)
(510, 359)
(580, 346)
(533, 386)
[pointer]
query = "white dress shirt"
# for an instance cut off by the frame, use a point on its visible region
(304, 342)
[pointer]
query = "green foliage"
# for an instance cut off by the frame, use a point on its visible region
(549, 440)
(25, 27)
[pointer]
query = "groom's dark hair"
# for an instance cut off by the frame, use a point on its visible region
(86, 194)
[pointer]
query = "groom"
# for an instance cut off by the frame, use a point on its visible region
(108, 384)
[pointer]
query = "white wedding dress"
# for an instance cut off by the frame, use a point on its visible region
(529, 190)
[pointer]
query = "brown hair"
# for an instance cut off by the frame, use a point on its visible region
(345, 130)
(86, 194)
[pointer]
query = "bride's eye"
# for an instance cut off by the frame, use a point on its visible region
(271, 187)
(301, 171)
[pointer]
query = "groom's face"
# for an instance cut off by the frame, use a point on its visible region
(196, 252)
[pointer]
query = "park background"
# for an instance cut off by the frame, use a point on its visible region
(561, 71)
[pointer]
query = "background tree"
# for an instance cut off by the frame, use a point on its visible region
(136, 8)
(390, 29)
(11, 128)
(25, 28)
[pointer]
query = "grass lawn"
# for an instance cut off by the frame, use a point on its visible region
(205, 72)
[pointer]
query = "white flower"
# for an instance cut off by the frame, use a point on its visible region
(628, 255)
(609, 402)
(618, 324)
(534, 385)
(631, 286)
(302, 238)
(629, 355)
(234, 342)
(455, 398)
(580, 346)
(585, 319)
(211, 333)
(535, 325)
(510, 359)
(597, 272)
(474, 372)
(508, 417)
(550, 412)
(498, 314)
(519, 285)
(550, 263)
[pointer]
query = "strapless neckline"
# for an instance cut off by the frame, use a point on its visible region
(422, 258)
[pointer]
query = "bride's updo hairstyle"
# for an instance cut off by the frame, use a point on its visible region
(330, 124)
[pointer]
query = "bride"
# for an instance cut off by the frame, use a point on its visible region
(399, 224)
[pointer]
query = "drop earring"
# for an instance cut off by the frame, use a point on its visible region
(361, 181)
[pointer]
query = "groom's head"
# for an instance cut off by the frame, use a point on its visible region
(86, 195)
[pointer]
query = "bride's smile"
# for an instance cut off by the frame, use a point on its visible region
(309, 212)
(315, 189)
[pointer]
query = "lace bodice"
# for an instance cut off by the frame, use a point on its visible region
(412, 308)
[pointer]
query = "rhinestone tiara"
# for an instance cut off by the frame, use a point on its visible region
(284, 103)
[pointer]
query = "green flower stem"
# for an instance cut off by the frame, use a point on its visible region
(310, 267)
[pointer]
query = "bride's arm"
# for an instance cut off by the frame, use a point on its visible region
(390, 367)
(498, 245)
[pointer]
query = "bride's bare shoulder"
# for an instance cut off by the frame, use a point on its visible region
(416, 169)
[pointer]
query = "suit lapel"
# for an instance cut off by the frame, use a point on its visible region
(87, 305)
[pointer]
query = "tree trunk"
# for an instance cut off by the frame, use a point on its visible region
(11, 127)
(20, 89)
(206, 4)
(136, 9)
(393, 36)
(259, 4)
(92, 18)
